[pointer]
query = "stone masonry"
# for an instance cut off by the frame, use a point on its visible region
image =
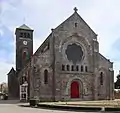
(68, 65)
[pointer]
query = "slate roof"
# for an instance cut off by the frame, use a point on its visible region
(24, 27)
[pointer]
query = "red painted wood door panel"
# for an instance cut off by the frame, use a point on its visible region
(75, 90)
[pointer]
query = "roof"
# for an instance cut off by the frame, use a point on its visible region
(24, 27)
(72, 17)
(11, 71)
(75, 14)
(103, 57)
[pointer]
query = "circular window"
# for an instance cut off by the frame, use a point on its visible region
(74, 53)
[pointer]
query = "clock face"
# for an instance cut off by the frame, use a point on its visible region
(25, 42)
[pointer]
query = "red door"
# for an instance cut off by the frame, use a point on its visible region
(75, 89)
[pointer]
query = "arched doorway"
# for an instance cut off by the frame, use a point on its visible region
(75, 89)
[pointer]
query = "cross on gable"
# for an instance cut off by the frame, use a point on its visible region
(75, 9)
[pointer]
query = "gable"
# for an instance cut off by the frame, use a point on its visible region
(69, 25)
(75, 23)
(11, 72)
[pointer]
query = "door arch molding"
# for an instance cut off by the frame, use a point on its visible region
(68, 87)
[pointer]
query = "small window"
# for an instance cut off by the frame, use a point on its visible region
(75, 24)
(72, 68)
(101, 78)
(25, 35)
(68, 68)
(63, 67)
(77, 68)
(21, 34)
(28, 35)
(46, 77)
(86, 69)
(81, 68)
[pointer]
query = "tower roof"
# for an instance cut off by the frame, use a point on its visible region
(24, 27)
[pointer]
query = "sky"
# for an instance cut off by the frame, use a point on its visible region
(43, 15)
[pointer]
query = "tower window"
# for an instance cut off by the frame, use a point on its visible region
(28, 35)
(72, 68)
(101, 78)
(46, 77)
(81, 68)
(86, 69)
(26, 55)
(25, 35)
(21, 34)
(63, 67)
(77, 68)
(68, 68)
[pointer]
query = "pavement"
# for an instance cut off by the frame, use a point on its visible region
(14, 106)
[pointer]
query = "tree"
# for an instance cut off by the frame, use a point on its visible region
(117, 83)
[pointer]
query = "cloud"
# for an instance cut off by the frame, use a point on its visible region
(42, 15)
(104, 19)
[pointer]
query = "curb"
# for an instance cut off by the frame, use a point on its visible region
(70, 108)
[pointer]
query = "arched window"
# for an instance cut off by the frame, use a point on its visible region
(25, 55)
(63, 67)
(46, 77)
(72, 68)
(25, 35)
(81, 68)
(77, 68)
(86, 69)
(76, 24)
(21, 34)
(101, 78)
(68, 68)
(28, 35)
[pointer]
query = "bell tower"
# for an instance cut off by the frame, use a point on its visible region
(24, 46)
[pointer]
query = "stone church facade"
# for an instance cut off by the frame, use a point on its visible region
(68, 65)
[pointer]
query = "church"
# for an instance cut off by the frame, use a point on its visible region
(67, 65)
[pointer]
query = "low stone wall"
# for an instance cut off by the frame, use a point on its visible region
(117, 95)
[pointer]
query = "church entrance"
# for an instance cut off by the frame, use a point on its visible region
(75, 89)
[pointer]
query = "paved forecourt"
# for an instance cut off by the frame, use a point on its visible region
(15, 107)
